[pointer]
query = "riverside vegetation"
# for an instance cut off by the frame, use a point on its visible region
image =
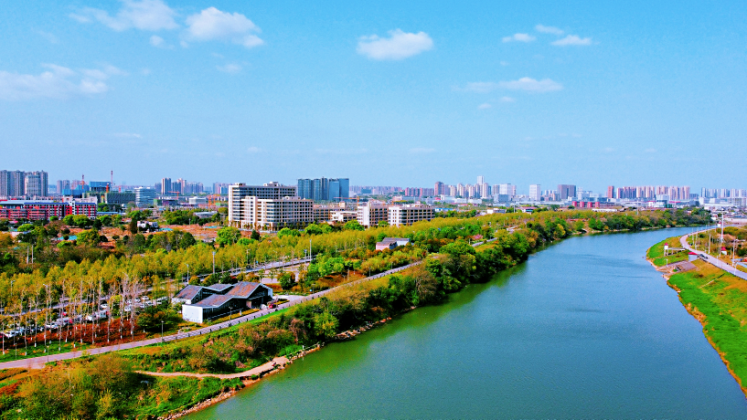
(109, 387)
(719, 301)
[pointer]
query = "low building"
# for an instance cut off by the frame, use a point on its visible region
(322, 213)
(44, 210)
(212, 302)
(405, 215)
(273, 214)
(144, 196)
(119, 198)
(391, 243)
(343, 216)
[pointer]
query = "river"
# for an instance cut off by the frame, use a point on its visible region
(586, 328)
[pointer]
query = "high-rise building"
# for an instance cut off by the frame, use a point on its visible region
(144, 196)
(165, 186)
(439, 188)
(484, 190)
(508, 190)
(35, 184)
(566, 191)
(323, 189)
(409, 214)
(535, 192)
(611, 191)
(480, 180)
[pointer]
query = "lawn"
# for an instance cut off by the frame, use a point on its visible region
(721, 299)
(656, 252)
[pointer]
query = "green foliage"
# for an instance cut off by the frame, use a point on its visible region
(227, 236)
(255, 235)
(286, 232)
(287, 280)
(152, 317)
(354, 225)
(318, 229)
(383, 224)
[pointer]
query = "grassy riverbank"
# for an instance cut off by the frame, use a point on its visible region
(719, 301)
(656, 253)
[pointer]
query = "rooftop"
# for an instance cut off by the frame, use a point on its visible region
(243, 289)
(213, 301)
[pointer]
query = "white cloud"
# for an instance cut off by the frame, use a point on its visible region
(484, 106)
(572, 40)
(504, 63)
(525, 83)
(156, 41)
(49, 37)
(146, 15)
(507, 99)
(549, 30)
(229, 68)
(212, 24)
(57, 82)
(650, 150)
(253, 149)
(128, 135)
(519, 38)
(422, 150)
(398, 46)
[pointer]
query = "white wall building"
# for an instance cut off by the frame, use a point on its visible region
(409, 213)
(272, 214)
(371, 213)
(237, 192)
(535, 192)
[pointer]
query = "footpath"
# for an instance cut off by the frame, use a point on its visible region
(711, 260)
(41, 361)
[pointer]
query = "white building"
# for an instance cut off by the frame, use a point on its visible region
(507, 189)
(409, 213)
(270, 190)
(371, 213)
(271, 214)
(535, 192)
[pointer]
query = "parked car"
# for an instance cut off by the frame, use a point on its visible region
(104, 306)
(9, 334)
(51, 326)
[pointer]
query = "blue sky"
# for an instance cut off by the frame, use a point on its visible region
(385, 93)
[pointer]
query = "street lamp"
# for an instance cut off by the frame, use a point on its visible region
(213, 262)
(161, 331)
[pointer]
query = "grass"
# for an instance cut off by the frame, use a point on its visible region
(719, 300)
(656, 252)
(170, 395)
(10, 354)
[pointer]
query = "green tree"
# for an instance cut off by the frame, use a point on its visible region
(383, 224)
(354, 225)
(228, 236)
(325, 325)
(287, 280)
(255, 235)
(288, 232)
(133, 226)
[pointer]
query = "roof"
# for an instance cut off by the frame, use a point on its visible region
(219, 287)
(189, 292)
(213, 301)
(390, 240)
(243, 289)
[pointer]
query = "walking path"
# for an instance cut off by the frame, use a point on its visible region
(259, 371)
(712, 260)
(39, 362)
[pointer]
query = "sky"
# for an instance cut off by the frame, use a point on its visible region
(383, 93)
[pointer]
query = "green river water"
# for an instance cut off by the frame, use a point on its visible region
(584, 329)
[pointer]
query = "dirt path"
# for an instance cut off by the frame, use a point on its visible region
(259, 371)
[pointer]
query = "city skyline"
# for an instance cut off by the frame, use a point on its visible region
(628, 94)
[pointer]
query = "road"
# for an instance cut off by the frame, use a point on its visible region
(714, 261)
(39, 362)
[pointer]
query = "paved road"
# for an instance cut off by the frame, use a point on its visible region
(714, 261)
(38, 362)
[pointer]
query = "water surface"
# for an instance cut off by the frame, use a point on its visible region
(584, 329)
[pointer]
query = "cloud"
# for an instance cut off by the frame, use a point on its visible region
(128, 135)
(57, 82)
(229, 68)
(519, 38)
(146, 15)
(156, 41)
(507, 99)
(650, 150)
(253, 149)
(484, 106)
(526, 84)
(549, 30)
(49, 37)
(422, 150)
(212, 24)
(398, 46)
(572, 40)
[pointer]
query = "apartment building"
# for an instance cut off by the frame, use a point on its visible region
(144, 196)
(270, 213)
(535, 192)
(371, 213)
(405, 215)
(269, 191)
(44, 209)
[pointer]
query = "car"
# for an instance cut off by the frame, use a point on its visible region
(104, 306)
(51, 326)
(127, 308)
(9, 334)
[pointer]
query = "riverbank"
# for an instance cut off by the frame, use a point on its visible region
(718, 300)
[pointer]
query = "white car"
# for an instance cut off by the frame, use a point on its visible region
(104, 306)
(51, 326)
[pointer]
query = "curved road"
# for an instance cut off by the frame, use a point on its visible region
(714, 261)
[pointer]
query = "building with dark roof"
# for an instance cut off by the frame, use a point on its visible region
(202, 303)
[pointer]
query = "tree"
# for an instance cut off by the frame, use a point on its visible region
(228, 236)
(288, 232)
(325, 324)
(255, 235)
(287, 280)
(383, 224)
(354, 225)
(133, 226)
